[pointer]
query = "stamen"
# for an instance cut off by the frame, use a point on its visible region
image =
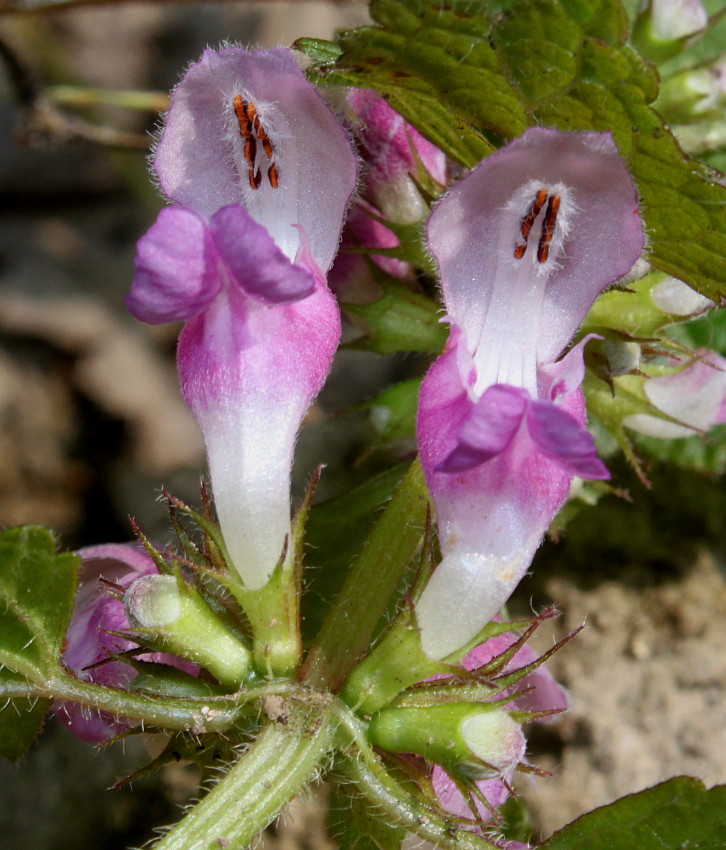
(527, 223)
(548, 228)
(250, 130)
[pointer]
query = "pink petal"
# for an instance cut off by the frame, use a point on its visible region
(249, 371)
(564, 376)
(544, 692)
(387, 139)
(491, 518)
(453, 802)
(696, 395)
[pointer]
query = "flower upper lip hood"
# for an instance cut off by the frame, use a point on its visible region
(474, 230)
(200, 162)
(261, 173)
(524, 244)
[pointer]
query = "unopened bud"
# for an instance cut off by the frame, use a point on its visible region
(623, 357)
(663, 27)
(153, 602)
(677, 298)
(472, 741)
(179, 621)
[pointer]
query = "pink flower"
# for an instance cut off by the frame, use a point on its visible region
(524, 243)
(88, 642)
(539, 692)
(695, 395)
(390, 148)
(263, 173)
(393, 153)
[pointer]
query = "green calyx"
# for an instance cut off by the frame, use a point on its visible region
(471, 741)
(174, 616)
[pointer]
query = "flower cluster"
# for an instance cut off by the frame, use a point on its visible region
(260, 175)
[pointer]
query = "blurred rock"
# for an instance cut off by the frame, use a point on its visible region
(647, 678)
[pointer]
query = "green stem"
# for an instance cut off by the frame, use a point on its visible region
(286, 755)
(212, 714)
(146, 101)
(369, 586)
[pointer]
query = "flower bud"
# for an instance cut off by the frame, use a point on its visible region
(92, 635)
(663, 27)
(677, 298)
(623, 357)
(180, 621)
(695, 395)
(694, 95)
(472, 741)
(392, 152)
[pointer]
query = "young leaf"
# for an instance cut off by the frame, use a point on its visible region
(400, 320)
(20, 720)
(673, 815)
(355, 825)
(393, 412)
(37, 589)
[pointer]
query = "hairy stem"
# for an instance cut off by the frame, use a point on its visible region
(282, 760)
(210, 714)
(393, 544)
(368, 772)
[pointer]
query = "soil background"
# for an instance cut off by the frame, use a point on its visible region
(92, 426)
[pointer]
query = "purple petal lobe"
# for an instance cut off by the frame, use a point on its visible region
(560, 437)
(177, 271)
(489, 429)
(255, 261)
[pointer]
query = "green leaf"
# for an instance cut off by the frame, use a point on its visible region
(705, 454)
(421, 63)
(319, 50)
(336, 533)
(393, 412)
(676, 814)
(465, 76)
(20, 721)
(355, 824)
(400, 320)
(37, 590)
